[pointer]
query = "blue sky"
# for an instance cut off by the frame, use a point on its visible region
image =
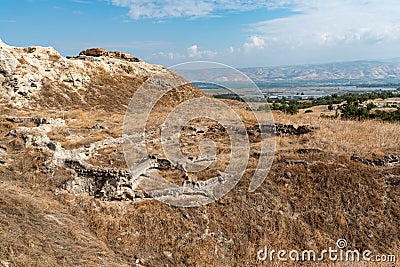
(234, 32)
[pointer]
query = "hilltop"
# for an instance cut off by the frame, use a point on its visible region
(67, 198)
(39, 77)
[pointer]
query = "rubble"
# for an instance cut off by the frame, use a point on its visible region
(386, 161)
(99, 52)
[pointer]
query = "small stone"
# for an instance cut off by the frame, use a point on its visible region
(168, 254)
(97, 127)
(52, 146)
(288, 175)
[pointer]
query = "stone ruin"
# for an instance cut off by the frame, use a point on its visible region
(101, 52)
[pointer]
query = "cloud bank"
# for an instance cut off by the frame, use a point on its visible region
(332, 22)
(308, 31)
(189, 8)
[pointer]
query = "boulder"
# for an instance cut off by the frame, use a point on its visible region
(99, 52)
(94, 52)
(124, 56)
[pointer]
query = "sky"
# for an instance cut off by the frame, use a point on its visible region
(234, 32)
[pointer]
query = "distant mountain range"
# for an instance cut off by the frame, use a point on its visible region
(361, 71)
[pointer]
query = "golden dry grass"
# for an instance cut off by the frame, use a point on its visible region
(36, 230)
(366, 138)
(308, 201)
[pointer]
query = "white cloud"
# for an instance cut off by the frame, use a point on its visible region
(194, 52)
(255, 42)
(315, 31)
(330, 30)
(334, 22)
(169, 55)
(189, 8)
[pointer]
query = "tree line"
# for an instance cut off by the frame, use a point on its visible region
(348, 106)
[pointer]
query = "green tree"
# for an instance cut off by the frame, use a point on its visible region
(370, 106)
(292, 109)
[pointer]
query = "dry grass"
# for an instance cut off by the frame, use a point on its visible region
(79, 131)
(366, 138)
(109, 157)
(310, 210)
(308, 201)
(36, 230)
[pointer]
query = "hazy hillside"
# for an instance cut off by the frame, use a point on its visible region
(341, 73)
(356, 70)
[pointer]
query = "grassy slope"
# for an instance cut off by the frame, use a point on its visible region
(307, 201)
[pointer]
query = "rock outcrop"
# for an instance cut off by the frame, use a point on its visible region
(101, 52)
(289, 129)
(386, 161)
(39, 76)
